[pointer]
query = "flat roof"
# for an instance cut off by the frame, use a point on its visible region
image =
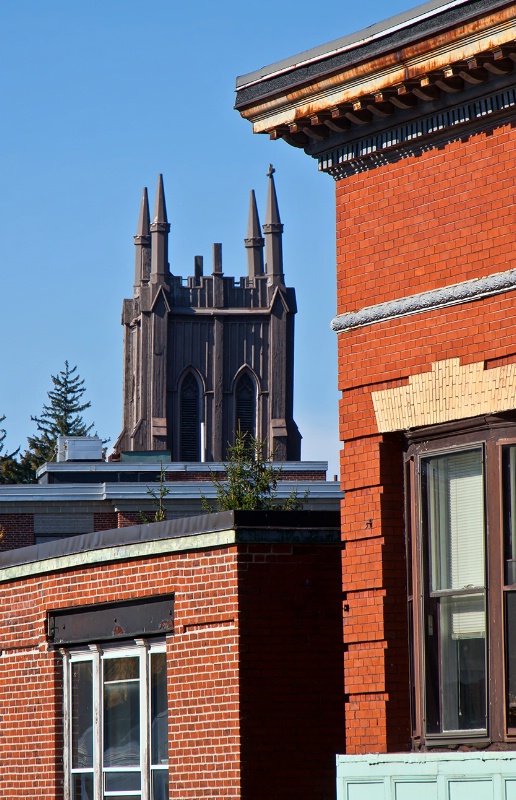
(397, 31)
(220, 529)
(206, 467)
(119, 492)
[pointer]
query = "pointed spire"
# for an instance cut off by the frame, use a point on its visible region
(143, 228)
(272, 216)
(273, 230)
(159, 232)
(254, 241)
(253, 224)
(160, 207)
(142, 242)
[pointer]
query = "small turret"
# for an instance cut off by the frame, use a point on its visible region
(198, 270)
(254, 240)
(273, 231)
(142, 242)
(217, 259)
(159, 233)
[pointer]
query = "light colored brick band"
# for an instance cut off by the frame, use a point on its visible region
(448, 392)
(464, 292)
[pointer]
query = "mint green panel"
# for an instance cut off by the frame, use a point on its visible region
(510, 790)
(365, 791)
(415, 790)
(470, 790)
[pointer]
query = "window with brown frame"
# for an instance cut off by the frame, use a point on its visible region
(461, 547)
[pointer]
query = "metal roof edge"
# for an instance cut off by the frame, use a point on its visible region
(206, 530)
(348, 42)
(170, 466)
(99, 492)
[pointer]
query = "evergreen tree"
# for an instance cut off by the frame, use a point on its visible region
(251, 481)
(10, 469)
(60, 417)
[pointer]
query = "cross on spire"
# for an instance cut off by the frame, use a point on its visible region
(271, 171)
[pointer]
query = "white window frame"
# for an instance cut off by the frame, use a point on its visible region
(96, 654)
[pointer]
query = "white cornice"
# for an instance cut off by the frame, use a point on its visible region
(456, 293)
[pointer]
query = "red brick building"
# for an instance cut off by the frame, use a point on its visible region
(415, 119)
(206, 649)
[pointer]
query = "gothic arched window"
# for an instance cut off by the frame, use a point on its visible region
(245, 401)
(190, 419)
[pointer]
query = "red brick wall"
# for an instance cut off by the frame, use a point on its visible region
(286, 475)
(424, 222)
(127, 518)
(291, 696)
(31, 742)
(223, 646)
(105, 521)
(16, 530)
(204, 728)
(203, 696)
(444, 216)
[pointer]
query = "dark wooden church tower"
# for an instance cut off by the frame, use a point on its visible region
(205, 355)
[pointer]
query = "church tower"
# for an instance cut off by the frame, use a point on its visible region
(206, 356)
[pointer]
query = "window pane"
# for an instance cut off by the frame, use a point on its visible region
(121, 713)
(122, 781)
(509, 511)
(159, 784)
(453, 512)
(121, 669)
(159, 709)
(82, 714)
(82, 787)
(511, 658)
(124, 796)
(462, 664)
(411, 667)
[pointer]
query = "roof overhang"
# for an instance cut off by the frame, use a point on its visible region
(440, 50)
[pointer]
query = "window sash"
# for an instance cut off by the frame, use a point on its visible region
(453, 488)
(453, 527)
(496, 436)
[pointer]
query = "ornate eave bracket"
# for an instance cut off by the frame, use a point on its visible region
(356, 118)
(418, 135)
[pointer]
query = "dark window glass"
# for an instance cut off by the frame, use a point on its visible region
(82, 715)
(190, 419)
(121, 712)
(82, 787)
(245, 395)
(510, 601)
(123, 781)
(509, 512)
(509, 527)
(159, 708)
(160, 784)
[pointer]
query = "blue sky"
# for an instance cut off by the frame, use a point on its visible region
(99, 96)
